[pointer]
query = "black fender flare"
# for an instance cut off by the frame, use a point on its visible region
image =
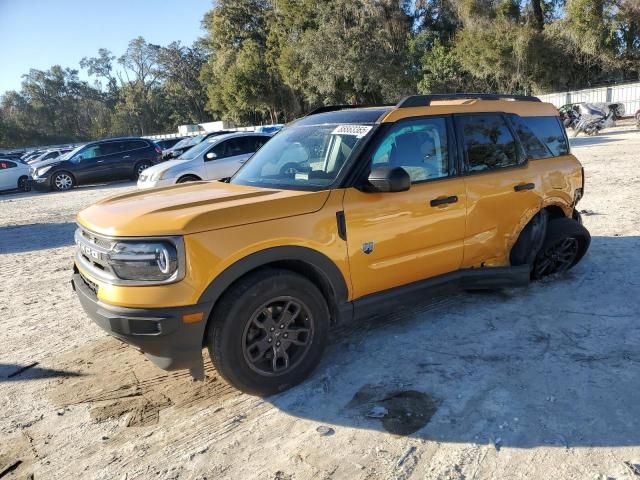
(330, 275)
(530, 240)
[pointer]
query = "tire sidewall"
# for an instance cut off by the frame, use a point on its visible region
(236, 312)
(558, 230)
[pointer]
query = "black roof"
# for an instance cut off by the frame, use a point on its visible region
(115, 139)
(346, 115)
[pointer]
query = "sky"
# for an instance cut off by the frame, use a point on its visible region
(42, 33)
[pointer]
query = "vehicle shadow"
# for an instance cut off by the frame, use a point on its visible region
(583, 141)
(553, 364)
(15, 194)
(10, 372)
(35, 236)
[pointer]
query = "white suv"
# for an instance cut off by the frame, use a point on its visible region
(215, 158)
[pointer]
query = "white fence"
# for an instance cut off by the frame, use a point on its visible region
(627, 93)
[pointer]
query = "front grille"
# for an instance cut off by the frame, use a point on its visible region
(100, 242)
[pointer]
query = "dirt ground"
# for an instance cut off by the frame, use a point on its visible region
(539, 383)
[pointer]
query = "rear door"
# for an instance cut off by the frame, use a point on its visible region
(503, 191)
(9, 174)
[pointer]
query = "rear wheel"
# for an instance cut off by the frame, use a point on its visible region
(23, 184)
(62, 181)
(188, 178)
(141, 167)
(565, 243)
(268, 331)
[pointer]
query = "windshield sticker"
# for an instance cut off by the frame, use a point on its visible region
(302, 176)
(350, 129)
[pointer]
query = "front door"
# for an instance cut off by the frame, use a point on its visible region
(402, 237)
(503, 191)
(89, 164)
(230, 155)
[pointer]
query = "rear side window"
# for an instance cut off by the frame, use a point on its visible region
(488, 142)
(533, 146)
(110, 148)
(550, 132)
(4, 164)
(134, 145)
(258, 142)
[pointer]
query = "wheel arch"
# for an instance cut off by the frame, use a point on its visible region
(310, 263)
(188, 174)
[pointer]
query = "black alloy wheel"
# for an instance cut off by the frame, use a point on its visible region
(278, 336)
(565, 243)
(268, 331)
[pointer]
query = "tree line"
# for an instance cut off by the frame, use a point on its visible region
(270, 61)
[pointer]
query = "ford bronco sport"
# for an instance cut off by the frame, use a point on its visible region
(339, 214)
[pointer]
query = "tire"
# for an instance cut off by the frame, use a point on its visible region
(139, 168)
(565, 243)
(62, 181)
(249, 313)
(23, 184)
(188, 178)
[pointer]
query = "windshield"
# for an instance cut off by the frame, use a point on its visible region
(304, 157)
(197, 150)
(68, 155)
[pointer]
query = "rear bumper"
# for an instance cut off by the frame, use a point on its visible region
(160, 333)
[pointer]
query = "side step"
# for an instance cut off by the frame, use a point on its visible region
(484, 278)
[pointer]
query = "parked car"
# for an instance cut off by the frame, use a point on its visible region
(104, 160)
(217, 157)
(31, 155)
(336, 217)
(48, 155)
(167, 143)
(13, 174)
(189, 142)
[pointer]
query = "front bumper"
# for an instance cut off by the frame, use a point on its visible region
(160, 333)
(40, 183)
(146, 183)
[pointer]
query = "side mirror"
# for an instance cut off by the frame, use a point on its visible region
(389, 179)
(211, 156)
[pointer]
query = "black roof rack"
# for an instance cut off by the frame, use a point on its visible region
(330, 108)
(333, 108)
(425, 100)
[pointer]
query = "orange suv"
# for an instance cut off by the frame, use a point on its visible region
(343, 212)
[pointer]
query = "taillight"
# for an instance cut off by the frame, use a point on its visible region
(158, 150)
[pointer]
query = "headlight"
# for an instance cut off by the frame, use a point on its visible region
(144, 261)
(158, 175)
(43, 170)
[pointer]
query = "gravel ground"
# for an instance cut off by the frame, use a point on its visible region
(525, 383)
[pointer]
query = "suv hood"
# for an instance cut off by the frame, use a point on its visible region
(195, 207)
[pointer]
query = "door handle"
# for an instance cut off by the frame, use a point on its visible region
(99, 161)
(126, 156)
(524, 186)
(443, 201)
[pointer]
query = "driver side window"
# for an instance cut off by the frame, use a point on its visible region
(87, 154)
(419, 146)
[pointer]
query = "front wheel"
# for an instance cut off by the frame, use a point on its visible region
(565, 243)
(268, 331)
(62, 181)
